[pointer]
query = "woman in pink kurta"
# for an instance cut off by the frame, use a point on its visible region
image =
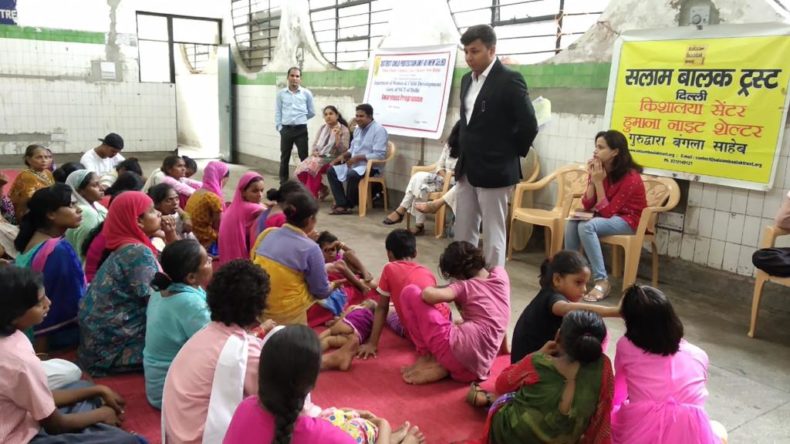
(465, 351)
(234, 228)
(660, 393)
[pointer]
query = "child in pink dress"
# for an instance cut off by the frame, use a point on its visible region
(660, 393)
(465, 351)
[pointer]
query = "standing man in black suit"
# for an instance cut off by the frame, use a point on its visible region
(498, 126)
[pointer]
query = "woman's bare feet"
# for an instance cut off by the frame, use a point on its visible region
(425, 372)
(413, 436)
(341, 359)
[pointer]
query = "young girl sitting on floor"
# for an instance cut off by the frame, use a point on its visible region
(347, 332)
(659, 377)
(31, 412)
(289, 366)
(218, 365)
(465, 351)
(559, 394)
(176, 310)
(563, 280)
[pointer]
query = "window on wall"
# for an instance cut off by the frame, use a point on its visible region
(161, 36)
(256, 25)
(529, 31)
(346, 31)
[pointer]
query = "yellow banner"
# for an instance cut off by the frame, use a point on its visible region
(709, 107)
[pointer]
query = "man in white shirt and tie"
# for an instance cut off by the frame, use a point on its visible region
(498, 126)
(293, 109)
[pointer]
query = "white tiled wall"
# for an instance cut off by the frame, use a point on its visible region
(46, 90)
(722, 226)
(45, 58)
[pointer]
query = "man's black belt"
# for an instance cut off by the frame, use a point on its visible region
(295, 126)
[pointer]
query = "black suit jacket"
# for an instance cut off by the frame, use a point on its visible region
(500, 131)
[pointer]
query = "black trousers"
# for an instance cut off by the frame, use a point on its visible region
(290, 135)
(348, 198)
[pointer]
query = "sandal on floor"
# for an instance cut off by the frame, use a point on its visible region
(339, 211)
(388, 221)
(599, 292)
(418, 230)
(472, 398)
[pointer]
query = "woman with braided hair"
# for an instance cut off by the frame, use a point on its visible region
(281, 412)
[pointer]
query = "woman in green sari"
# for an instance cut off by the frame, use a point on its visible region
(87, 192)
(560, 394)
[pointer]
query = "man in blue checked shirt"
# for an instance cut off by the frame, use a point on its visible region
(369, 143)
(294, 108)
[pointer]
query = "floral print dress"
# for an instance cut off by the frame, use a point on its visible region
(112, 314)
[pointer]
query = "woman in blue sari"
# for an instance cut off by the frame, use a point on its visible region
(51, 211)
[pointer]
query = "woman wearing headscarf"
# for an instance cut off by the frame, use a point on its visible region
(239, 218)
(87, 192)
(112, 313)
(206, 205)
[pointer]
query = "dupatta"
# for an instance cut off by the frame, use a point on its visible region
(237, 219)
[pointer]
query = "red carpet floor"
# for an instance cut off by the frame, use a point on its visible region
(376, 385)
(140, 418)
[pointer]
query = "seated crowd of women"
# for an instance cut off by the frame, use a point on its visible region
(227, 351)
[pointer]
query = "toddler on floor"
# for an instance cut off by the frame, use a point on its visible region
(346, 333)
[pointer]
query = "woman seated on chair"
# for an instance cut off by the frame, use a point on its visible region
(424, 183)
(616, 195)
(332, 141)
